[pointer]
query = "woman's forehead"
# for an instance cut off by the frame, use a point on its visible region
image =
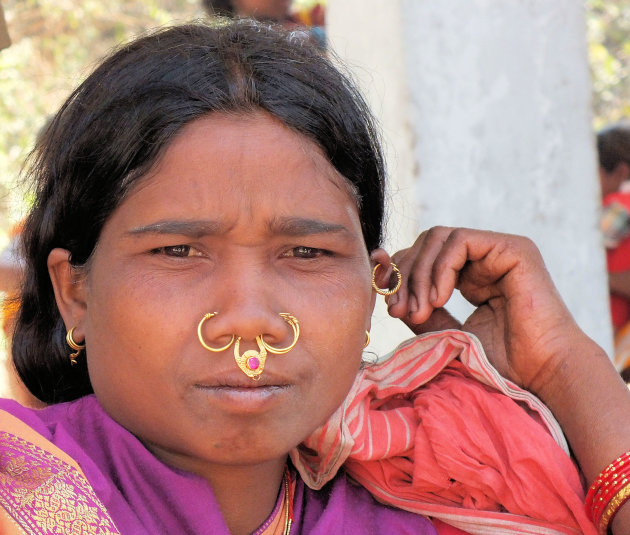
(227, 163)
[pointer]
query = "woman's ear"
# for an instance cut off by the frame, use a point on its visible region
(70, 289)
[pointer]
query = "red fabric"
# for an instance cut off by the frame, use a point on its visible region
(445, 529)
(462, 455)
(437, 431)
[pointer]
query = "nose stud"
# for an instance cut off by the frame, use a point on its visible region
(252, 362)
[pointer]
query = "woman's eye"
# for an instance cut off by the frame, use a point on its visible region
(306, 252)
(179, 251)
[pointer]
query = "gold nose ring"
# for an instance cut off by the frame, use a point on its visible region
(203, 342)
(252, 362)
(295, 325)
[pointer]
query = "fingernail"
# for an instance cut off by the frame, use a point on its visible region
(393, 299)
(433, 294)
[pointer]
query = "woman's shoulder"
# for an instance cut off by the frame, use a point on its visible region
(76, 427)
(343, 506)
(46, 420)
(37, 463)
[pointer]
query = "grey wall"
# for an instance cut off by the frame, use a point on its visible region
(485, 109)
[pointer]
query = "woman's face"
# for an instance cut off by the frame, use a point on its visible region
(246, 218)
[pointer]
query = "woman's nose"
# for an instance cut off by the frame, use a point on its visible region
(248, 305)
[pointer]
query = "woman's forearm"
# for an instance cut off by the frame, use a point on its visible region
(592, 404)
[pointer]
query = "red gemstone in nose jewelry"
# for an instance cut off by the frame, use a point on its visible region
(252, 362)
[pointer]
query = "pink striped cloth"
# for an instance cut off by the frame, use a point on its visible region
(435, 429)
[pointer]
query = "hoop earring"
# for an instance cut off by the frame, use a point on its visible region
(395, 288)
(73, 345)
(367, 339)
(295, 325)
(203, 342)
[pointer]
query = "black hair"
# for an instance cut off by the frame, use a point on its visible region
(613, 145)
(117, 123)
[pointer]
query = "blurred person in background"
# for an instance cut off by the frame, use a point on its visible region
(613, 148)
(283, 12)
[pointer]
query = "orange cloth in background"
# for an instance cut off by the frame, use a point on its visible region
(11, 302)
(453, 440)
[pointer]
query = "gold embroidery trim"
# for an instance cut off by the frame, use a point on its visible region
(47, 496)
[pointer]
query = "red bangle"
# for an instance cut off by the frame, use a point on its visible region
(612, 508)
(609, 492)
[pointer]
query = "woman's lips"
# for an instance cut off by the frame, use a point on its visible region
(243, 395)
(237, 379)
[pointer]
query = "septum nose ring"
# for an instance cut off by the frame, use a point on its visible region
(252, 362)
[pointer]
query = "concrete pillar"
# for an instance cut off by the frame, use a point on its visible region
(485, 107)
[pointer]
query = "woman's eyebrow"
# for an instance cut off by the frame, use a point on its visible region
(287, 226)
(299, 226)
(194, 229)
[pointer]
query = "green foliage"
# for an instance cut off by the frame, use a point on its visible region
(608, 26)
(55, 44)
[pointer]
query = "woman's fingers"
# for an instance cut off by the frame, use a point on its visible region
(474, 262)
(481, 264)
(416, 265)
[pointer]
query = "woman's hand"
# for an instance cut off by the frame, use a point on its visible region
(520, 319)
(526, 330)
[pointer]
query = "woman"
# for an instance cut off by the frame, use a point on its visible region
(613, 148)
(202, 260)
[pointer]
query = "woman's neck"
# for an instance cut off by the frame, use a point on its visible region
(247, 494)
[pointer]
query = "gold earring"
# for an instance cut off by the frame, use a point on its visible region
(367, 339)
(77, 347)
(395, 288)
(203, 342)
(295, 325)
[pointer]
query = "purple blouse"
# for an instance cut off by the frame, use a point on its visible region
(145, 496)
